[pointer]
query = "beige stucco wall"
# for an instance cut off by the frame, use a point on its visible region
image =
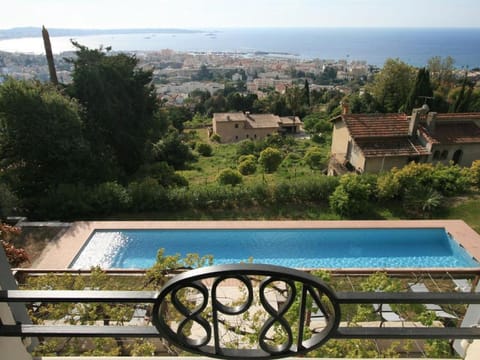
(340, 139)
(376, 165)
(229, 133)
(471, 152)
(357, 159)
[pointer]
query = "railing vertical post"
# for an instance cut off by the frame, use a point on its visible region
(12, 313)
(471, 319)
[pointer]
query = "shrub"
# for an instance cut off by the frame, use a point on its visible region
(66, 201)
(315, 158)
(422, 201)
(270, 159)
(229, 177)
(110, 197)
(475, 173)
(247, 167)
(351, 196)
(388, 186)
(318, 188)
(8, 201)
(146, 195)
(242, 158)
(204, 149)
(216, 138)
(245, 147)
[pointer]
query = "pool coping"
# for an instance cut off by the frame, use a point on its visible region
(59, 254)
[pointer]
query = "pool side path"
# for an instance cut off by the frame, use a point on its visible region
(60, 253)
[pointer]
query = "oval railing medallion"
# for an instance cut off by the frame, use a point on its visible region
(246, 311)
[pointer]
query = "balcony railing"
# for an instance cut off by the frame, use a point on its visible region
(209, 311)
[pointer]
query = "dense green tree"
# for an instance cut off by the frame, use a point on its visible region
(306, 93)
(295, 99)
(392, 85)
(120, 103)
(352, 195)
(420, 92)
(442, 73)
(172, 150)
(270, 159)
(41, 142)
(363, 103)
(462, 100)
(229, 177)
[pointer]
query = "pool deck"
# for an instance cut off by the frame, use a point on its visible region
(60, 253)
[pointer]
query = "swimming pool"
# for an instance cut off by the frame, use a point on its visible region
(298, 248)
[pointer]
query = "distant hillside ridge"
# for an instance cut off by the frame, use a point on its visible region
(23, 32)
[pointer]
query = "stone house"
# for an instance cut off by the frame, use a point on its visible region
(379, 142)
(237, 126)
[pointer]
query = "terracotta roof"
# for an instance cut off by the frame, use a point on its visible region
(263, 120)
(459, 132)
(376, 125)
(396, 146)
(290, 120)
(256, 120)
(458, 116)
(233, 116)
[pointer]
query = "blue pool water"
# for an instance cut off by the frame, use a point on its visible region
(299, 248)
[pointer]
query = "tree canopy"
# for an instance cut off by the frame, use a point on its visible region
(119, 102)
(41, 142)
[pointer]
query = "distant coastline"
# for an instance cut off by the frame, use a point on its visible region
(29, 32)
(414, 46)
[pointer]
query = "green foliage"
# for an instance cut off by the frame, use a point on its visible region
(270, 159)
(147, 195)
(41, 141)
(110, 197)
(475, 173)
(120, 105)
(316, 123)
(172, 150)
(352, 195)
(315, 158)
(245, 147)
(421, 200)
(156, 275)
(66, 201)
(392, 85)
(142, 348)
(204, 149)
(229, 177)
(421, 88)
(248, 166)
(447, 180)
(8, 201)
(216, 138)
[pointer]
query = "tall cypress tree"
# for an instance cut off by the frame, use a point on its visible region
(306, 93)
(422, 89)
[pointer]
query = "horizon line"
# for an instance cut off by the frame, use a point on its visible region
(239, 27)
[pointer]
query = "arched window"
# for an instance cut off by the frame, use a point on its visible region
(457, 156)
(436, 155)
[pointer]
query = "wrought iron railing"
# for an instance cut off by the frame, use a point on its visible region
(243, 311)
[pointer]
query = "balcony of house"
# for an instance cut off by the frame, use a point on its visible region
(251, 311)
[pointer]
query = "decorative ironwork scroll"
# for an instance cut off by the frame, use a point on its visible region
(254, 311)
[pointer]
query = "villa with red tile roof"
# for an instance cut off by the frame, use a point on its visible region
(379, 142)
(237, 126)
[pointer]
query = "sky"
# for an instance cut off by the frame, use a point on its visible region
(211, 14)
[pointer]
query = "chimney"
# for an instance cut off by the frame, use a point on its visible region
(345, 107)
(415, 118)
(431, 121)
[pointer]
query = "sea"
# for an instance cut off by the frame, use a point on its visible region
(373, 45)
